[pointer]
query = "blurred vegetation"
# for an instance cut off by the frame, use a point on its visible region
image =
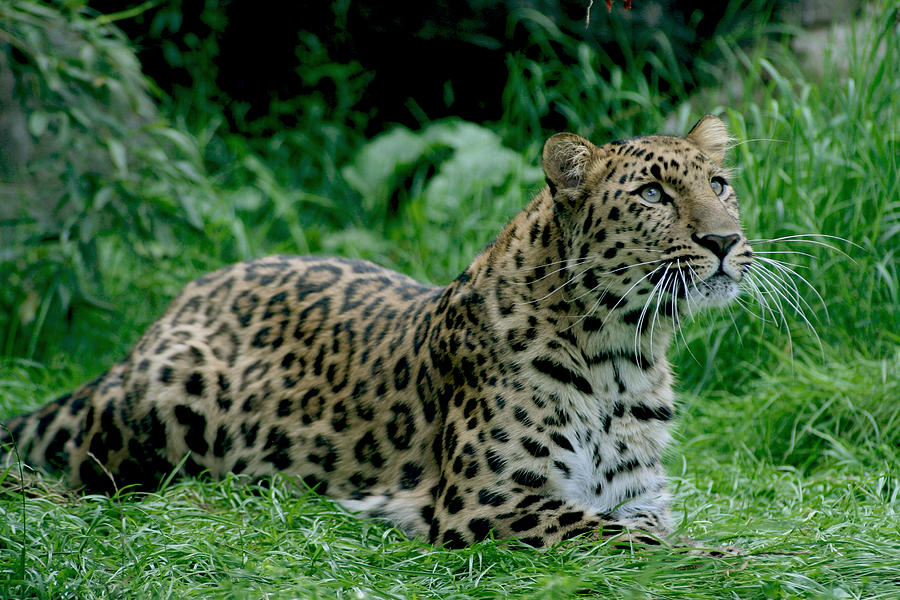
(256, 71)
(87, 156)
(100, 164)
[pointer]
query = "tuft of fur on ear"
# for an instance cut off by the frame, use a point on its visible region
(711, 136)
(565, 159)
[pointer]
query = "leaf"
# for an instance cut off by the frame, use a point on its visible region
(38, 122)
(102, 198)
(189, 204)
(479, 162)
(376, 163)
(118, 155)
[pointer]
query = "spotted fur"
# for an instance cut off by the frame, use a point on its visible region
(530, 398)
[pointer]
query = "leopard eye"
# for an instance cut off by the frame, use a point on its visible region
(652, 192)
(718, 186)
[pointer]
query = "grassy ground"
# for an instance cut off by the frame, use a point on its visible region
(788, 444)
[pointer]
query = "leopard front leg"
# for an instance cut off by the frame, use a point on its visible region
(520, 480)
(462, 518)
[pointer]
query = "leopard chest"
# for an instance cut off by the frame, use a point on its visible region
(608, 452)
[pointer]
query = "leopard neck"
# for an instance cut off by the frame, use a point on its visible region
(533, 274)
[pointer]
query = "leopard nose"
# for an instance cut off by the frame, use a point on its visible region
(717, 244)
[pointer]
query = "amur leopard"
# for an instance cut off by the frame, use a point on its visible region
(530, 398)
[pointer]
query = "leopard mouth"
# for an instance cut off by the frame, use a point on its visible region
(717, 290)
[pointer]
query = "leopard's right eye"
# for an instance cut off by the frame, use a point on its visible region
(718, 186)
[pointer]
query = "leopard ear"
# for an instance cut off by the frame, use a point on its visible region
(711, 136)
(565, 159)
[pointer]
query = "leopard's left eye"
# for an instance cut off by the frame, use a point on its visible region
(718, 186)
(650, 192)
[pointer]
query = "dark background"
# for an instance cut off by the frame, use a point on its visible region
(421, 59)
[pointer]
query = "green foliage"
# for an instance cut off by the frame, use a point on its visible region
(92, 170)
(808, 415)
(90, 156)
(193, 56)
(449, 186)
(233, 539)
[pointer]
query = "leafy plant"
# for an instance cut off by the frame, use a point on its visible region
(449, 185)
(89, 157)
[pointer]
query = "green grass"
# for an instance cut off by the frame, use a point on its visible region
(787, 444)
(197, 540)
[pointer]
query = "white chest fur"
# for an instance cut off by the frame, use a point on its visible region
(618, 436)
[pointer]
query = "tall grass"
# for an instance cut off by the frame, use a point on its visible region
(840, 133)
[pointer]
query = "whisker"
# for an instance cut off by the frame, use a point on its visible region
(574, 277)
(557, 262)
(640, 322)
(747, 308)
(779, 286)
(776, 297)
(625, 295)
(782, 266)
(783, 273)
(737, 330)
(556, 289)
(669, 281)
(665, 286)
(625, 268)
(577, 262)
(685, 284)
(803, 238)
(760, 298)
(782, 262)
(758, 252)
(676, 316)
(694, 279)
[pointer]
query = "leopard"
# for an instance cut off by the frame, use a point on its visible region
(529, 399)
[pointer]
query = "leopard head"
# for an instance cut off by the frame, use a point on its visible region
(650, 219)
